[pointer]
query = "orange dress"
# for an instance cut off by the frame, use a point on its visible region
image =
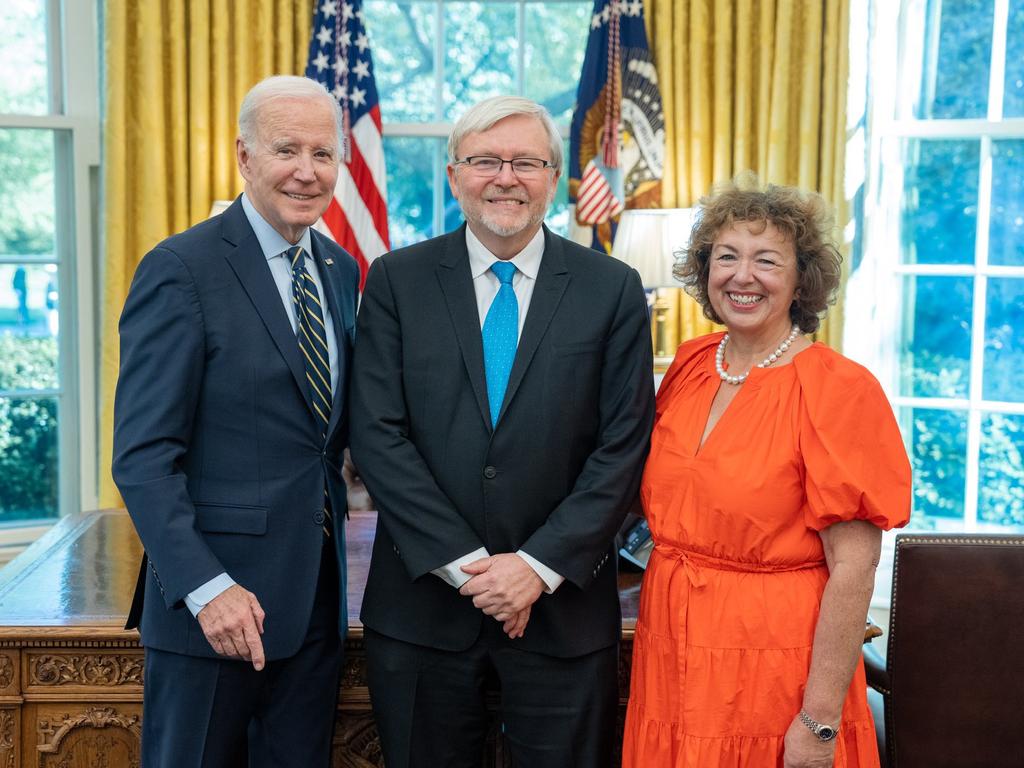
(731, 594)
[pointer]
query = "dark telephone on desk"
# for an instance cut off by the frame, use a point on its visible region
(637, 544)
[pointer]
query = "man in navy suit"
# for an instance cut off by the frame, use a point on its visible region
(230, 425)
(502, 401)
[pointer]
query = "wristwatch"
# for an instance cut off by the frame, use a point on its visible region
(822, 731)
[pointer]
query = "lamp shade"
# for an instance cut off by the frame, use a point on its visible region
(647, 239)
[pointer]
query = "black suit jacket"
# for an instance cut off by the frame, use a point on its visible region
(216, 451)
(555, 478)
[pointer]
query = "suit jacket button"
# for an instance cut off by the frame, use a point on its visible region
(318, 517)
(490, 473)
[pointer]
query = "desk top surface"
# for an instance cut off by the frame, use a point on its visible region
(83, 571)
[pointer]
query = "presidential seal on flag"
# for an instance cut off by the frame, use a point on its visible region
(617, 143)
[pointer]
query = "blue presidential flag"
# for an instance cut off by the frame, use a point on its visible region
(617, 145)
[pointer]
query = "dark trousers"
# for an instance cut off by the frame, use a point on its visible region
(430, 711)
(222, 713)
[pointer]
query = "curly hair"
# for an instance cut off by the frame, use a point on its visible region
(804, 218)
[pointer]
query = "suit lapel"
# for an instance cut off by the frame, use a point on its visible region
(552, 280)
(337, 305)
(247, 260)
(457, 285)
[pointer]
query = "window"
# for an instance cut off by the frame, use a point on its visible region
(434, 59)
(43, 191)
(941, 281)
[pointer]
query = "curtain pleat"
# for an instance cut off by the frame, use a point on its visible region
(175, 75)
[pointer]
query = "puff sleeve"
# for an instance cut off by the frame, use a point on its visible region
(856, 466)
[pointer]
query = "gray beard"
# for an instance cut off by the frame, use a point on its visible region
(513, 229)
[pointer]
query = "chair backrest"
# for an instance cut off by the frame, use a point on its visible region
(956, 652)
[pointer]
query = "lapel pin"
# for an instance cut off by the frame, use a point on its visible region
(329, 262)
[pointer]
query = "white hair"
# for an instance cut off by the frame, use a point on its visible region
(277, 87)
(484, 115)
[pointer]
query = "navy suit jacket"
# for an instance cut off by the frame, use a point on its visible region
(555, 478)
(217, 454)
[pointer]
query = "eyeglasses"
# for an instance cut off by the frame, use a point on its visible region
(487, 165)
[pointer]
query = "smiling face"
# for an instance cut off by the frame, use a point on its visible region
(292, 166)
(752, 279)
(504, 211)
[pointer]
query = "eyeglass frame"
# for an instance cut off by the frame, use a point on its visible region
(467, 161)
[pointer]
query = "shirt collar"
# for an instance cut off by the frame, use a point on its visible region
(271, 241)
(526, 261)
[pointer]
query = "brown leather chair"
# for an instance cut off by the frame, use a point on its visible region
(953, 678)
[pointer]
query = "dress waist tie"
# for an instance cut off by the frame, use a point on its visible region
(694, 562)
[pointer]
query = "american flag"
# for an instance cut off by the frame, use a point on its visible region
(339, 57)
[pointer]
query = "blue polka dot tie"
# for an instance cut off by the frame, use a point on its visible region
(501, 334)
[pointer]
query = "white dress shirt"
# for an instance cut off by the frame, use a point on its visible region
(274, 248)
(486, 285)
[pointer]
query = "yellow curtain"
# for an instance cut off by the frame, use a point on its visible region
(176, 72)
(752, 85)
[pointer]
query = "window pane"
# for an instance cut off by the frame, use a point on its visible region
(26, 192)
(23, 83)
(480, 53)
(957, 58)
(1004, 340)
(935, 349)
(28, 327)
(1013, 96)
(410, 162)
(1006, 235)
(940, 193)
(403, 41)
(1001, 478)
(937, 444)
(556, 37)
(28, 458)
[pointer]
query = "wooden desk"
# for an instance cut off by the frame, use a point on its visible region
(71, 677)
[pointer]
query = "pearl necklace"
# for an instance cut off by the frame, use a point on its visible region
(779, 351)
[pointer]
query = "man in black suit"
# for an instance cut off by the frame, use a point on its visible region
(230, 425)
(502, 399)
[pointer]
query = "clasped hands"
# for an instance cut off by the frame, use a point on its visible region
(505, 588)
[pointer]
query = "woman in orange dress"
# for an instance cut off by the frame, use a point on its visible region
(775, 464)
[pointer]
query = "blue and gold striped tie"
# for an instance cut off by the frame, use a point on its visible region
(313, 344)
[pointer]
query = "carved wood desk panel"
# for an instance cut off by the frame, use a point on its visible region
(71, 677)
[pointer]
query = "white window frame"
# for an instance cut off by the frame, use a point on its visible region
(874, 295)
(74, 116)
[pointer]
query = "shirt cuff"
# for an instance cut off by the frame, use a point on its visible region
(197, 599)
(552, 580)
(453, 573)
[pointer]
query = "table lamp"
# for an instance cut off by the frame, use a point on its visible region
(647, 239)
